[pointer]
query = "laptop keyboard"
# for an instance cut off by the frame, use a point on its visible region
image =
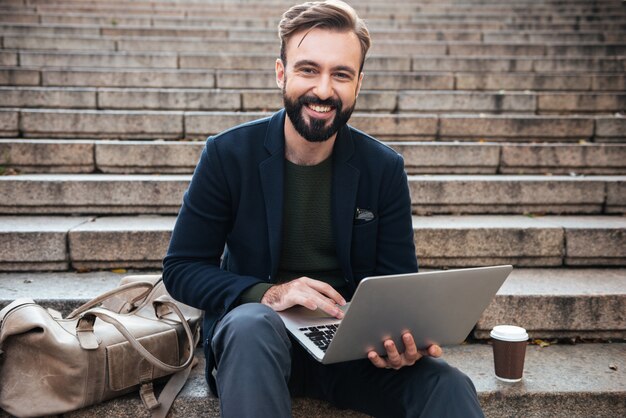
(321, 335)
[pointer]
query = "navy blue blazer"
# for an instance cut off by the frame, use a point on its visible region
(233, 207)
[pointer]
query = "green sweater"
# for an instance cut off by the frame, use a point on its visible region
(308, 244)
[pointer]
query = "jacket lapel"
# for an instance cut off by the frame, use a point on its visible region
(272, 179)
(344, 191)
(345, 187)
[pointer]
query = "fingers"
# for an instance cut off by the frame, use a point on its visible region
(411, 351)
(435, 351)
(411, 354)
(319, 295)
(325, 289)
(331, 309)
(377, 360)
(432, 351)
(396, 360)
(305, 292)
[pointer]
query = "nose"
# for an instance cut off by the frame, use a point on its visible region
(323, 88)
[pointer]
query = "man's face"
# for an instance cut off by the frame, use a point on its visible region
(320, 82)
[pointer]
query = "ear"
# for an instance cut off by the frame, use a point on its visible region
(280, 73)
(360, 82)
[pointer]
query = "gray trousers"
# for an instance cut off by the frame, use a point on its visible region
(259, 369)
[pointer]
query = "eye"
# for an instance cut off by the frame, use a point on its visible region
(307, 70)
(343, 76)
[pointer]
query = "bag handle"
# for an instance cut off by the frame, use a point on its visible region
(11, 307)
(88, 340)
(113, 292)
(15, 304)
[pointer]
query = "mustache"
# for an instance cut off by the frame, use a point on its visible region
(317, 101)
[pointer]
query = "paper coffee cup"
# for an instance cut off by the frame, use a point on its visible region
(509, 350)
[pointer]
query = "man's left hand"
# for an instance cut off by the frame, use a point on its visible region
(411, 354)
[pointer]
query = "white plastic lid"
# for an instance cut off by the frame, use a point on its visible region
(509, 333)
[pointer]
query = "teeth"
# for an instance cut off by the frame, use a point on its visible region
(321, 109)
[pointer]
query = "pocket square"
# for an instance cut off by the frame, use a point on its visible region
(363, 215)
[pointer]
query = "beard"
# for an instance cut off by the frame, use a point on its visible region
(318, 130)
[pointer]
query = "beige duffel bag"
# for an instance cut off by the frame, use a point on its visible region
(50, 365)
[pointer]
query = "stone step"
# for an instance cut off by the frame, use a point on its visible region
(504, 36)
(374, 80)
(394, 46)
(133, 124)
(497, 22)
(19, 76)
(159, 157)
(552, 36)
(460, 101)
(386, 14)
(576, 6)
(539, 81)
(95, 124)
(382, 62)
(368, 7)
(54, 243)
(560, 303)
(271, 17)
(62, 156)
(461, 241)
(440, 194)
(98, 59)
(36, 243)
(431, 78)
(9, 122)
(494, 26)
(235, 29)
(471, 194)
(516, 64)
(370, 11)
(270, 34)
(561, 380)
(63, 292)
(101, 194)
(46, 29)
(447, 127)
(550, 303)
(580, 379)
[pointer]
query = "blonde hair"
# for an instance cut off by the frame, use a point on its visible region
(329, 14)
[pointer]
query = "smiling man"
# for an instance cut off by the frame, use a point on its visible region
(296, 209)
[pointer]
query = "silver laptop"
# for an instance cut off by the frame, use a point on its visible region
(437, 307)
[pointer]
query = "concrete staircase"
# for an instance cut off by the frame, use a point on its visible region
(511, 117)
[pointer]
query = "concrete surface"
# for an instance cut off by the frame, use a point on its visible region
(36, 243)
(549, 303)
(564, 302)
(464, 241)
(68, 156)
(47, 156)
(431, 194)
(100, 124)
(576, 381)
(109, 242)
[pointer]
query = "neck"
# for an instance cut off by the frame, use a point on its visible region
(302, 152)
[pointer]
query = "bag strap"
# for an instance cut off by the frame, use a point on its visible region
(113, 292)
(160, 407)
(88, 340)
(171, 390)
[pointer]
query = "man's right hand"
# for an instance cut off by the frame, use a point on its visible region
(310, 293)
